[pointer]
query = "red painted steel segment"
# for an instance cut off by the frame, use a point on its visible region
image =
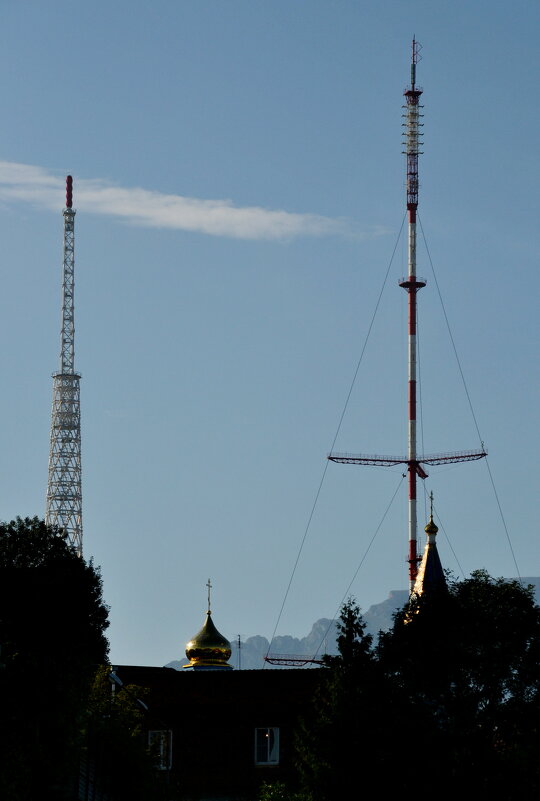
(69, 192)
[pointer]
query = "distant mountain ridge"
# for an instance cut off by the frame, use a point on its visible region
(322, 637)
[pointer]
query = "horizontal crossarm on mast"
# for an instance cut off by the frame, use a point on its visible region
(376, 460)
(360, 458)
(457, 456)
(287, 660)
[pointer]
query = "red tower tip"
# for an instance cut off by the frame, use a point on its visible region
(69, 192)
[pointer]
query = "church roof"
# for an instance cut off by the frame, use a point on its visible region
(430, 578)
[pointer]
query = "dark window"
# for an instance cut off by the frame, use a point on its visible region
(160, 747)
(267, 746)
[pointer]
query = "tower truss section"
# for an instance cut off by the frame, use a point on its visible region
(64, 487)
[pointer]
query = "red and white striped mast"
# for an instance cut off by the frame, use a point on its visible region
(412, 284)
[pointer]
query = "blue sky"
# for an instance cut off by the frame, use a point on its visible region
(239, 184)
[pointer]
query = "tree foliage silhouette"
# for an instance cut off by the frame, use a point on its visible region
(449, 697)
(52, 624)
(115, 752)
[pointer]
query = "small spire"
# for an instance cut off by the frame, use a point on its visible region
(209, 585)
(431, 528)
(430, 578)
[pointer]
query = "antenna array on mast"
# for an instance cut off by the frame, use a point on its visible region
(64, 489)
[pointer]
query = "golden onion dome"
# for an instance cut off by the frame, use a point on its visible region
(431, 528)
(208, 648)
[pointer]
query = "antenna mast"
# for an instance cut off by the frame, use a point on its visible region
(411, 284)
(64, 491)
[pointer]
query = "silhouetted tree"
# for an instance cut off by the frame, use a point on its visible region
(467, 667)
(52, 623)
(449, 698)
(278, 791)
(116, 758)
(337, 738)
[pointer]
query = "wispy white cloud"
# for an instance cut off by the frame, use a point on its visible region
(36, 185)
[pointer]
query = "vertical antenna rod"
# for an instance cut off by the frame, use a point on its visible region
(412, 284)
(64, 490)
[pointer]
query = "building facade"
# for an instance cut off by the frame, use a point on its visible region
(220, 734)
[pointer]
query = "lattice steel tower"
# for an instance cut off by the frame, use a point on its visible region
(64, 492)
